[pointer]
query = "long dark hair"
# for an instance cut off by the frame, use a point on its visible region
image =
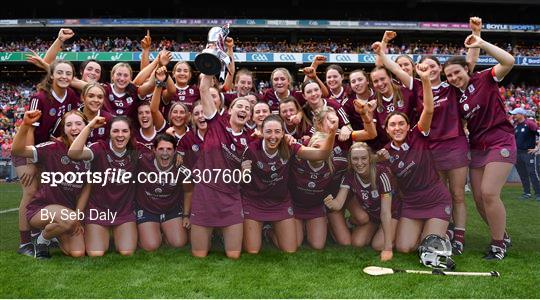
(132, 143)
(283, 148)
(396, 90)
(457, 60)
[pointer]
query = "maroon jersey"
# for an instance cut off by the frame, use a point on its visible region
(270, 173)
(148, 141)
(123, 104)
(101, 133)
(189, 146)
(370, 197)
(344, 95)
(483, 108)
(414, 168)
(187, 95)
(271, 97)
(114, 197)
(52, 109)
(160, 197)
(52, 157)
(446, 122)
(309, 185)
(222, 149)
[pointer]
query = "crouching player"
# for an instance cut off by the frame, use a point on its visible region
(163, 205)
(53, 207)
(371, 185)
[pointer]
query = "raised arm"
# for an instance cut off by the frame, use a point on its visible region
(20, 145)
(160, 78)
(387, 37)
(78, 149)
(475, 23)
(505, 59)
(314, 154)
(64, 34)
(424, 123)
(146, 43)
(369, 132)
(311, 73)
(391, 65)
(209, 108)
(229, 78)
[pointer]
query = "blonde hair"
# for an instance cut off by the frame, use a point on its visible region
(372, 161)
(318, 136)
(119, 65)
(286, 73)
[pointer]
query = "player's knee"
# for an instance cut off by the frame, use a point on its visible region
(150, 246)
(76, 253)
(126, 252)
(199, 253)
(358, 243)
(233, 254)
(489, 195)
(404, 247)
(95, 253)
(317, 245)
(289, 248)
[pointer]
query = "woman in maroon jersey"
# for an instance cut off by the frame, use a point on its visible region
(360, 89)
(281, 87)
(216, 201)
(267, 198)
(111, 208)
(51, 205)
(371, 185)
(426, 202)
(261, 110)
(163, 207)
(290, 110)
(493, 146)
(92, 97)
(334, 82)
(185, 92)
(189, 146)
(54, 97)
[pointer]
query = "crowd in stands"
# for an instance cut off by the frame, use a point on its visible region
(100, 44)
(15, 99)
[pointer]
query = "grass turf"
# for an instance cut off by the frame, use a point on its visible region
(335, 272)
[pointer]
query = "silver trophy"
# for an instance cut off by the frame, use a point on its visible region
(214, 60)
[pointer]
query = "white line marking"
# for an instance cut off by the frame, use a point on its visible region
(8, 210)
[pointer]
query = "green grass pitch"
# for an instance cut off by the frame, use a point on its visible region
(335, 272)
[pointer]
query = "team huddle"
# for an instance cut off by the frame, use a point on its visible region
(381, 161)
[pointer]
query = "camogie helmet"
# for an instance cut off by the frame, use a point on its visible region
(435, 252)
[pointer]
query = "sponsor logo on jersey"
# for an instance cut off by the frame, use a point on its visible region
(195, 147)
(401, 164)
(290, 211)
(374, 194)
(64, 160)
(52, 112)
(311, 185)
(158, 191)
(260, 165)
(505, 152)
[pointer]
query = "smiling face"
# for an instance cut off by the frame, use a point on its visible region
(216, 97)
(179, 116)
(91, 72)
(406, 65)
(164, 153)
(360, 161)
(93, 99)
(244, 85)
(272, 134)
(397, 128)
(182, 74)
(312, 94)
(120, 135)
(333, 79)
(286, 111)
(73, 125)
(121, 77)
(62, 76)
(434, 71)
(198, 118)
(280, 82)
(457, 76)
(359, 82)
(144, 116)
(240, 112)
(382, 82)
(260, 112)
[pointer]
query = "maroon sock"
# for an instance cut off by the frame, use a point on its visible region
(25, 236)
(459, 235)
(498, 243)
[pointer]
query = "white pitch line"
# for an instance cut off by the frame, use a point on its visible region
(8, 210)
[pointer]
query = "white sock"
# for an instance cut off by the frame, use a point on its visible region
(42, 240)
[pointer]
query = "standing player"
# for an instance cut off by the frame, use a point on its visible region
(51, 203)
(163, 206)
(54, 98)
(267, 198)
(289, 110)
(185, 92)
(426, 202)
(243, 86)
(491, 138)
(92, 96)
(281, 88)
(371, 185)
(261, 110)
(114, 202)
(217, 203)
(190, 145)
